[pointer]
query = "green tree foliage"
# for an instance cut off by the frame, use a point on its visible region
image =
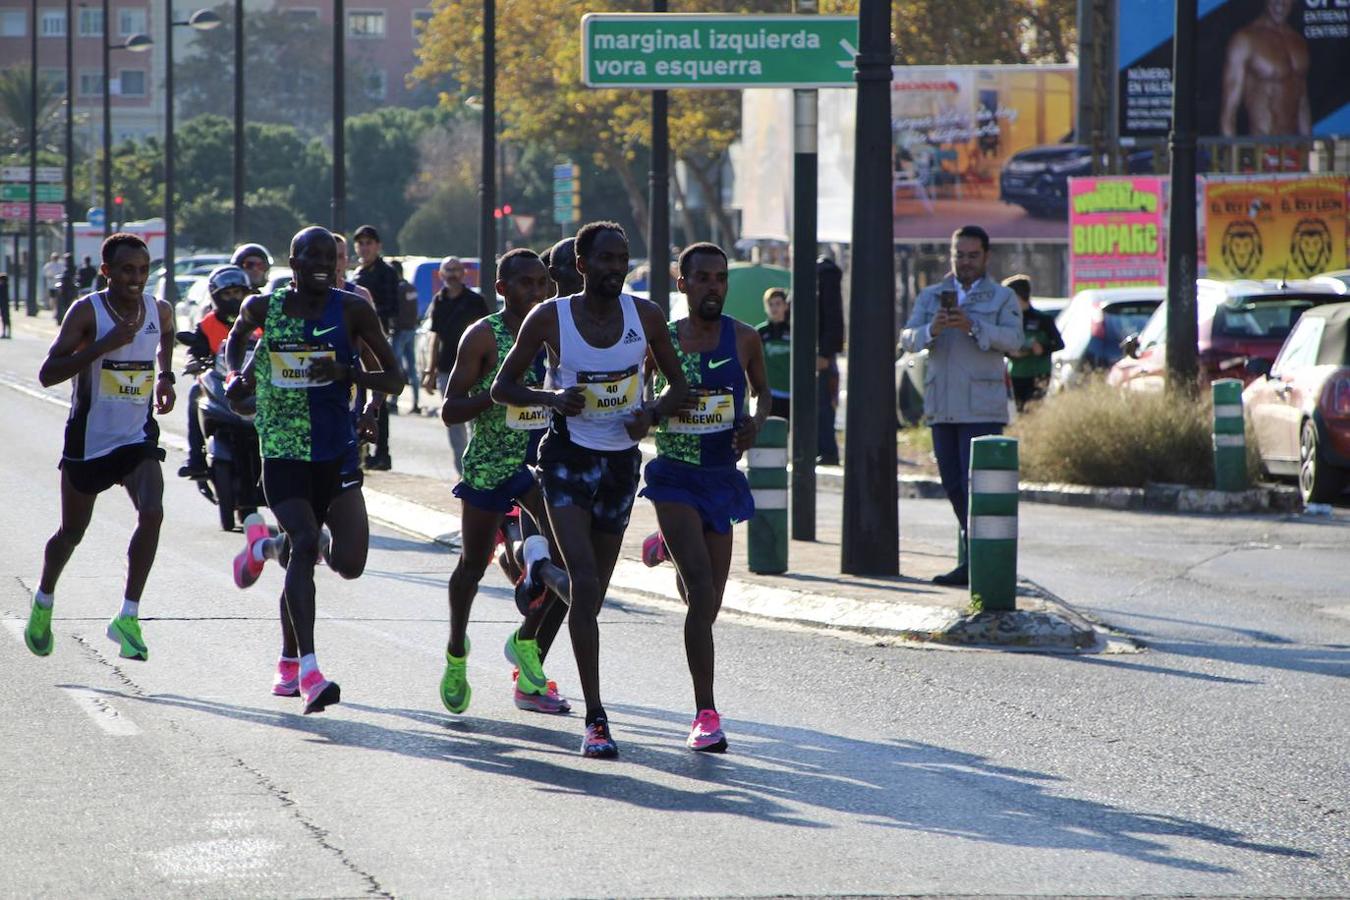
(447, 223)
(16, 85)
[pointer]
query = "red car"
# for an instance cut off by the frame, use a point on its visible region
(1300, 406)
(1239, 321)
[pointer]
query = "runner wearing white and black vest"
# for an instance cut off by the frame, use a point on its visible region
(589, 460)
(110, 344)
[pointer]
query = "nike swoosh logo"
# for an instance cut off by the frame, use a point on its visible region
(319, 332)
(713, 364)
(347, 484)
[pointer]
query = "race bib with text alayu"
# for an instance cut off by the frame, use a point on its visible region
(291, 361)
(715, 410)
(126, 380)
(527, 418)
(609, 393)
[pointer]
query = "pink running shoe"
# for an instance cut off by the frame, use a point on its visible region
(286, 682)
(319, 692)
(705, 735)
(654, 550)
(548, 702)
(246, 568)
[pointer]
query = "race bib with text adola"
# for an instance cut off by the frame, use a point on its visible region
(609, 393)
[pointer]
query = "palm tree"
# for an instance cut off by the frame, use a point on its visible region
(15, 109)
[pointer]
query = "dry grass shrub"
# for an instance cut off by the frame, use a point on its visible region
(1099, 435)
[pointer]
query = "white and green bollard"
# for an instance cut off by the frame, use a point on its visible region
(992, 523)
(1230, 436)
(766, 546)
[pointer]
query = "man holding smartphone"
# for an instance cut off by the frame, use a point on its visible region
(966, 322)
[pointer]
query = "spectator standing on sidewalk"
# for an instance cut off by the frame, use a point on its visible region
(86, 275)
(378, 277)
(51, 271)
(454, 308)
(776, 333)
(967, 322)
(1029, 367)
(4, 307)
(829, 344)
(66, 291)
(405, 337)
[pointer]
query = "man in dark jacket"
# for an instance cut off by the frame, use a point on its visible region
(454, 308)
(378, 277)
(829, 344)
(1029, 367)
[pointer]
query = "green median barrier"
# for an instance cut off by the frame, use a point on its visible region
(992, 523)
(767, 532)
(1230, 436)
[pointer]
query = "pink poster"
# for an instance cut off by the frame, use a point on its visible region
(1115, 232)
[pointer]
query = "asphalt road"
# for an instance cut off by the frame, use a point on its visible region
(1212, 763)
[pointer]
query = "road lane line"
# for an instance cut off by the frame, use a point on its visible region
(105, 716)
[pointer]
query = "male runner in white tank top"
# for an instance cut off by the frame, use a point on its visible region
(110, 343)
(589, 460)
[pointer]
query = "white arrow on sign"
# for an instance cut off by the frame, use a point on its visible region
(849, 49)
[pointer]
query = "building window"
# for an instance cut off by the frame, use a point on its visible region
(52, 23)
(420, 18)
(131, 21)
(91, 22)
(55, 79)
(376, 85)
(132, 82)
(303, 14)
(13, 23)
(366, 23)
(91, 83)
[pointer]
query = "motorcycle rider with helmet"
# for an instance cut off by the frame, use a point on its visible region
(228, 286)
(256, 261)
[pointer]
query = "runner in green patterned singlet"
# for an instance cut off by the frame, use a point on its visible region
(496, 479)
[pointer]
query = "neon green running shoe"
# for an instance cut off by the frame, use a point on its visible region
(524, 654)
(455, 690)
(126, 631)
(38, 634)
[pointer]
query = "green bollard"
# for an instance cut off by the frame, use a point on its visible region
(767, 533)
(992, 526)
(1230, 436)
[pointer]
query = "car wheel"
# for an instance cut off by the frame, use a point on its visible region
(1318, 482)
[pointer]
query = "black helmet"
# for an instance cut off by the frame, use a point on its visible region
(244, 251)
(222, 277)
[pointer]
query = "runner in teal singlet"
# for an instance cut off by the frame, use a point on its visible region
(495, 479)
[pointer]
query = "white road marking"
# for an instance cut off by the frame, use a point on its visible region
(104, 714)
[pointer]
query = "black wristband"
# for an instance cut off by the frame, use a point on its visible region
(173, 379)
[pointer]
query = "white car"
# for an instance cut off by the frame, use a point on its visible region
(193, 304)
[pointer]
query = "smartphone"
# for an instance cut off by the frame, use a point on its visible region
(947, 299)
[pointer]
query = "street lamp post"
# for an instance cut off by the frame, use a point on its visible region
(136, 43)
(237, 213)
(202, 20)
(32, 168)
(487, 184)
(69, 205)
(339, 214)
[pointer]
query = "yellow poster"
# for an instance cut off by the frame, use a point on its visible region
(1275, 228)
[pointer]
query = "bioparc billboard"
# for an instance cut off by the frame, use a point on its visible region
(1264, 67)
(1116, 232)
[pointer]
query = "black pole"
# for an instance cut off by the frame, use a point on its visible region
(658, 196)
(1182, 328)
(805, 331)
(69, 205)
(805, 319)
(32, 165)
(237, 214)
(339, 119)
(487, 181)
(107, 127)
(170, 286)
(870, 541)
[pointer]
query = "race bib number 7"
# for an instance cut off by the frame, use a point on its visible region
(291, 361)
(126, 381)
(609, 393)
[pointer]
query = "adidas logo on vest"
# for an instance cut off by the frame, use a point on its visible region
(632, 337)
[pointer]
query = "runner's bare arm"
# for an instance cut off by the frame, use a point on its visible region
(750, 347)
(164, 391)
(75, 348)
(539, 328)
(251, 317)
(477, 353)
(663, 352)
(366, 329)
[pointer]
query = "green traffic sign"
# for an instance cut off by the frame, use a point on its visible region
(46, 193)
(658, 51)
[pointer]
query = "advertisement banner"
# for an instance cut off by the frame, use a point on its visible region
(1115, 232)
(1266, 67)
(1275, 228)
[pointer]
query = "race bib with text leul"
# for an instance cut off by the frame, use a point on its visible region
(526, 418)
(291, 361)
(126, 380)
(609, 393)
(715, 411)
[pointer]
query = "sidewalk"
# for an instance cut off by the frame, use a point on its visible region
(812, 593)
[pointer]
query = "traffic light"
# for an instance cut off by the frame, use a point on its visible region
(506, 209)
(117, 211)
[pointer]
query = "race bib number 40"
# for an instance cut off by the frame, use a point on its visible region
(126, 381)
(526, 418)
(291, 361)
(609, 393)
(715, 410)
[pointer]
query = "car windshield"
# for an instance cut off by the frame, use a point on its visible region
(1269, 318)
(1124, 319)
